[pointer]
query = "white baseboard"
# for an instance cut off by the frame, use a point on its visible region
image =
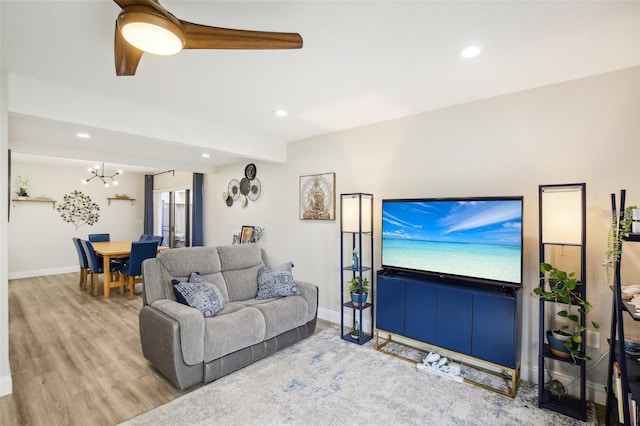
(594, 391)
(43, 272)
(6, 386)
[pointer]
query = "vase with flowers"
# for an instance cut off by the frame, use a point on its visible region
(23, 188)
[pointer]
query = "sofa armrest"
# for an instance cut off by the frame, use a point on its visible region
(310, 293)
(191, 324)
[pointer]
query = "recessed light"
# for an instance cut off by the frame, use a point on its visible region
(470, 51)
(280, 113)
(205, 155)
(83, 135)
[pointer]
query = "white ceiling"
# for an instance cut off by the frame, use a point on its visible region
(362, 62)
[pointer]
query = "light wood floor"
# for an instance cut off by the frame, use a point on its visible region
(75, 358)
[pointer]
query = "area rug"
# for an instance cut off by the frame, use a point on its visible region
(325, 380)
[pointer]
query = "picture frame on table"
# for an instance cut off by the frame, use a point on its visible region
(246, 235)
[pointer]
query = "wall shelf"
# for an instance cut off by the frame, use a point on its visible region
(133, 200)
(33, 200)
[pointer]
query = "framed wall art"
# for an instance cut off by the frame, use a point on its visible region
(318, 197)
(246, 234)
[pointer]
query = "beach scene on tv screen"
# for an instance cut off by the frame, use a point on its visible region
(480, 239)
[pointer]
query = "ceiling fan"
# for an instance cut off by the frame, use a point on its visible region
(146, 26)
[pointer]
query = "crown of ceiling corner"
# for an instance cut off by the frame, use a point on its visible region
(145, 26)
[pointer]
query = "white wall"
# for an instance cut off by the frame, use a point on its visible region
(39, 239)
(6, 384)
(586, 130)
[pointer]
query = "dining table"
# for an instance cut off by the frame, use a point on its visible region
(110, 250)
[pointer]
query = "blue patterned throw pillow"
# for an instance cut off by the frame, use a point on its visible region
(199, 294)
(276, 283)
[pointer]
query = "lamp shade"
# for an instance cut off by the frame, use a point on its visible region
(562, 215)
(151, 32)
(356, 212)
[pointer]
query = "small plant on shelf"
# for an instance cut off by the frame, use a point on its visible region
(355, 331)
(563, 288)
(355, 286)
(358, 297)
(615, 237)
(23, 187)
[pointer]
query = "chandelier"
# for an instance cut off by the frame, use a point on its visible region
(96, 173)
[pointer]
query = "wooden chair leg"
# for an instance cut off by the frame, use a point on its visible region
(132, 285)
(94, 284)
(121, 282)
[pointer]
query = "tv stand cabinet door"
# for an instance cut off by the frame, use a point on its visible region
(420, 322)
(453, 321)
(390, 304)
(494, 329)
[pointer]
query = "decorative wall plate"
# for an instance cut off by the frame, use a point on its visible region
(255, 188)
(234, 188)
(250, 171)
(245, 186)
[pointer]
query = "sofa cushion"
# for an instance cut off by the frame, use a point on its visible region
(229, 332)
(277, 282)
(240, 264)
(282, 314)
(199, 294)
(181, 262)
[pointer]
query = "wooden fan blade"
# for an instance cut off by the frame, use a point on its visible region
(127, 56)
(125, 3)
(205, 37)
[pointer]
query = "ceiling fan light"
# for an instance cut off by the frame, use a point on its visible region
(152, 33)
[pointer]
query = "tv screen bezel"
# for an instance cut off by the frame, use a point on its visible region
(450, 277)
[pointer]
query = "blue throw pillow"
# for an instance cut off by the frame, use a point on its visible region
(199, 294)
(276, 283)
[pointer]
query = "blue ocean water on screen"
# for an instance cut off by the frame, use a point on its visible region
(486, 261)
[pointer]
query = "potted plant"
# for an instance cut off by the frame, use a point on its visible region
(23, 186)
(355, 331)
(564, 288)
(359, 292)
(615, 237)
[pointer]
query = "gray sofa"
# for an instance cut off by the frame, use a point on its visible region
(188, 348)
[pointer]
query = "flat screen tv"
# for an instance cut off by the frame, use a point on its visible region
(476, 240)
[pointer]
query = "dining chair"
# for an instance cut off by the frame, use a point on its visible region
(98, 238)
(96, 267)
(157, 238)
(132, 272)
(149, 237)
(84, 263)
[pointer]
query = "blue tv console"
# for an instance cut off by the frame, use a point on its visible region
(476, 326)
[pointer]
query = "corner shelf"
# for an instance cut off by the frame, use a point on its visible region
(133, 200)
(33, 200)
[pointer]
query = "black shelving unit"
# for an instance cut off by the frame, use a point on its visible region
(629, 367)
(571, 405)
(356, 233)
